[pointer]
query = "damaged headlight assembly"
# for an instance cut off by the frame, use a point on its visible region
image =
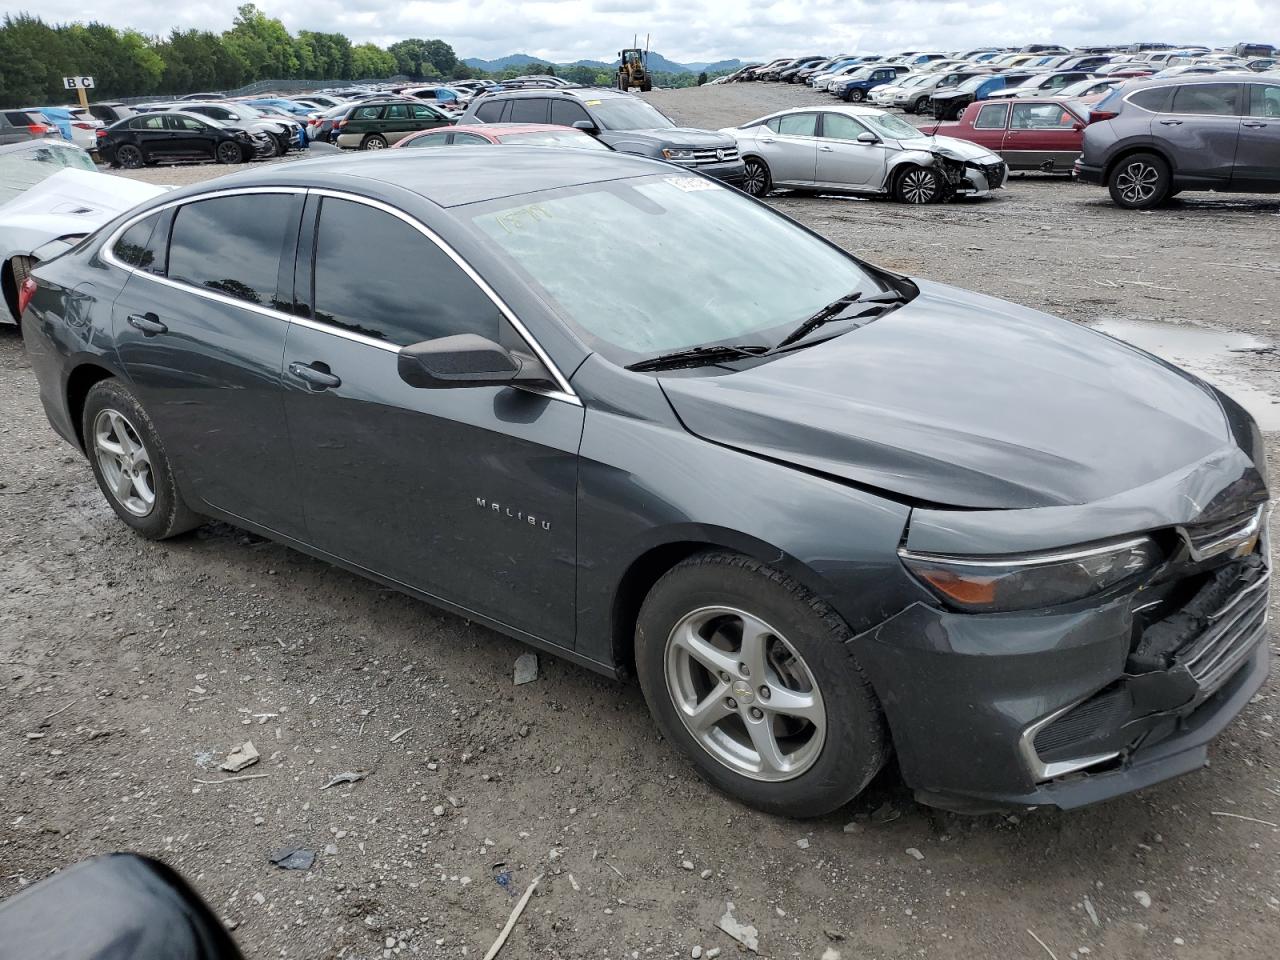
(997, 584)
(676, 153)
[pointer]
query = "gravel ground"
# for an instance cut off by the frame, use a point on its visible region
(128, 670)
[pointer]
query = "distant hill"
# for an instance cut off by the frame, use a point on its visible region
(657, 63)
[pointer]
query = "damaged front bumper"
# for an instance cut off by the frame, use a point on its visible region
(970, 178)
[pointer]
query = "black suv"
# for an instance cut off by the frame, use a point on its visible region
(1152, 139)
(625, 122)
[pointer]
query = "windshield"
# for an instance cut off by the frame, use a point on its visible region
(697, 283)
(23, 165)
(861, 73)
(891, 127)
(554, 138)
(627, 113)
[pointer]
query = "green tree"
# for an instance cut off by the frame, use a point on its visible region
(441, 56)
(197, 60)
(409, 54)
(262, 45)
(370, 62)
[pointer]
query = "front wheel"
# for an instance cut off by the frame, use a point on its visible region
(130, 464)
(1139, 182)
(918, 185)
(756, 181)
(228, 152)
(751, 676)
(921, 104)
(855, 95)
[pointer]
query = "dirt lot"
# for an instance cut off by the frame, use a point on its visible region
(129, 669)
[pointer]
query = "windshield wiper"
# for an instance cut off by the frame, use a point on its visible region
(837, 310)
(698, 357)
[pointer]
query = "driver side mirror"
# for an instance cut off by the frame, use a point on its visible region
(467, 360)
(586, 126)
(867, 137)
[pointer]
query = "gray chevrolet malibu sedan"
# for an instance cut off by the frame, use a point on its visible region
(826, 513)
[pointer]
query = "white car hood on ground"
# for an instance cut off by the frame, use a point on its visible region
(69, 202)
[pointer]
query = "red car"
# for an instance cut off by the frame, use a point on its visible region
(1030, 134)
(529, 134)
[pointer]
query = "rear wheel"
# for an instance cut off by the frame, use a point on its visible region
(129, 157)
(375, 141)
(130, 464)
(1139, 182)
(917, 185)
(855, 95)
(228, 152)
(751, 676)
(756, 180)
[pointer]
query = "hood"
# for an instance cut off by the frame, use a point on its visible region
(69, 202)
(961, 150)
(669, 136)
(962, 400)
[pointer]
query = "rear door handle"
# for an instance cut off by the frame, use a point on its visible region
(1172, 123)
(148, 323)
(1253, 123)
(320, 379)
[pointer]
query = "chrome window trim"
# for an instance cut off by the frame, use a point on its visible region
(1029, 561)
(565, 393)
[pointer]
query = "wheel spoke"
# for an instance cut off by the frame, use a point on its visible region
(792, 703)
(122, 485)
(711, 657)
(710, 710)
(772, 758)
(755, 648)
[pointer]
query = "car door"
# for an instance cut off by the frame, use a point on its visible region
(845, 162)
(200, 333)
(1201, 129)
(397, 122)
(1258, 150)
(1042, 136)
(789, 145)
(153, 135)
(191, 138)
(989, 124)
(425, 117)
(467, 495)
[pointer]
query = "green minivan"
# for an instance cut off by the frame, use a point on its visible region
(377, 125)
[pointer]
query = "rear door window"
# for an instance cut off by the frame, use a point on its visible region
(398, 111)
(529, 110)
(362, 258)
(798, 125)
(1264, 100)
(1207, 99)
(232, 245)
(490, 112)
(367, 113)
(429, 140)
(993, 116)
(142, 245)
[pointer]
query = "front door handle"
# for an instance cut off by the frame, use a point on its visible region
(1172, 123)
(148, 323)
(316, 377)
(826, 149)
(767, 140)
(1253, 123)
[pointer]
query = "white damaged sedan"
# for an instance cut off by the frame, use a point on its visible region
(857, 149)
(51, 196)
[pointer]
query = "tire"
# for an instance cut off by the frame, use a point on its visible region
(804, 657)
(20, 268)
(129, 157)
(646, 86)
(758, 181)
(855, 95)
(917, 185)
(622, 83)
(166, 514)
(375, 141)
(281, 146)
(920, 105)
(228, 152)
(1139, 182)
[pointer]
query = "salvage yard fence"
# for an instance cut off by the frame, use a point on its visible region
(282, 86)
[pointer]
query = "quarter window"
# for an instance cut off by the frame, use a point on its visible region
(992, 116)
(798, 125)
(142, 245)
(529, 110)
(1214, 99)
(378, 276)
(1153, 99)
(233, 245)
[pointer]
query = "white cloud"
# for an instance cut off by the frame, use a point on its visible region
(713, 29)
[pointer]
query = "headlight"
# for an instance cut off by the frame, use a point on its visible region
(993, 584)
(675, 153)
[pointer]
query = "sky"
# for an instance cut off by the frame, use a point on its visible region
(709, 30)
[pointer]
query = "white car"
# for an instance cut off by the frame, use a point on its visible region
(51, 196)
(857, 149)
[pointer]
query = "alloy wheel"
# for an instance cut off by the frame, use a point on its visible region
(745, 694)
(229, 153)
(124, 462)
(375, 143)
(756, 181)
(1138, 182)
(129, 157)
(919, 186)
(856, 96)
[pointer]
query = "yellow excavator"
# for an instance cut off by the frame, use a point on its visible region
(633, 67)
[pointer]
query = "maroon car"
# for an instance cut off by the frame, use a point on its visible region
(1032, 133)
(528, 134)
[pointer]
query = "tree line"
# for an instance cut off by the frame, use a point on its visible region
(35, 56)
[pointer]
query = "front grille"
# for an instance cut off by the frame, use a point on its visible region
(1210, 539)
(1232, 630)
(1099, 714)
(726, 155)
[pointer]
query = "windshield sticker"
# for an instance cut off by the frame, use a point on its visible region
(690, 184)
(515, 220)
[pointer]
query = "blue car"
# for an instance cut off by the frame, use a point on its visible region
(855, 88)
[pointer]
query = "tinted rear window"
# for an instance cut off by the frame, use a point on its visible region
(489, 112)
(529, 110)
(1154, 99)
(233, 244)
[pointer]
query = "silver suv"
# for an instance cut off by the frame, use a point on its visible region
(1152, 139)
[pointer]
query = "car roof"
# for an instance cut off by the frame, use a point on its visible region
(849, 109)
(502, 129)
(580, 93)
(450, 178)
